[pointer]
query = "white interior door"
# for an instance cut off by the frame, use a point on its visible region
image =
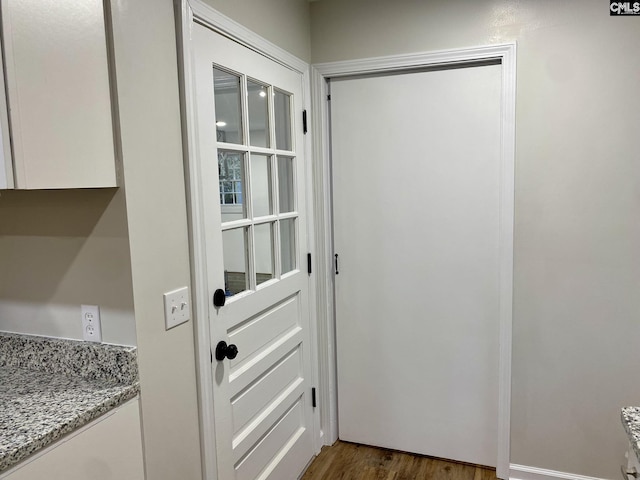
(251, 172)
(416, 177)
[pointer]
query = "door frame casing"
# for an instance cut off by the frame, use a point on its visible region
(188, 12)
(320, 75)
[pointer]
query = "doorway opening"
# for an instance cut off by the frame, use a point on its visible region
(325, 77)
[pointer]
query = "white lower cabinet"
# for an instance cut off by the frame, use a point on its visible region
(632, 470)
(110, 448)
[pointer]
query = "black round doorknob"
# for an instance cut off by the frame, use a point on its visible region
(219, 298)
(226, 351)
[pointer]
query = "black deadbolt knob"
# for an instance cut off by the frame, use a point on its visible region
(232, 352)
(226, 351)
(219, 298)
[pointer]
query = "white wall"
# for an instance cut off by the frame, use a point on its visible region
(148, 99)
(60, 249)
(283, 22)
(148, 96)
(577, 266)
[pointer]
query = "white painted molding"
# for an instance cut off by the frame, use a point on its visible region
(197, 246)
(522, 472)
(215, 20)
(321, 73)
(507, 205)
(196, 11)
(413, 60)
(327, 393)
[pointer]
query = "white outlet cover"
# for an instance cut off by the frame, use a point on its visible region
(177, 307)
(91, 326)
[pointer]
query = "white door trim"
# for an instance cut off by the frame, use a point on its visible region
(191, 11)
(321, 73)
(522, 472)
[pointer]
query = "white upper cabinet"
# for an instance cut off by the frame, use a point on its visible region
(58, 92)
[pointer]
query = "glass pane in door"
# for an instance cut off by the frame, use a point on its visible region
(282, 111)
(226, 88)
(285, 184)
(235, 251)
(231, 176)
(287, 245)
(257, 101)
(261, 185)
(263, 238)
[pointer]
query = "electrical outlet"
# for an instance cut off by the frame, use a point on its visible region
(91, 327)
(176, 307)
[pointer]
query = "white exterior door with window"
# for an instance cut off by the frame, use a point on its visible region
(251, 187)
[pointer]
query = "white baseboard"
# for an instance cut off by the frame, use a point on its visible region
(522, 472)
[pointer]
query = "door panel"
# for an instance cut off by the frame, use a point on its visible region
(287, 431)
(416, 219)
(254, 238)
(258, 333)
(247, 404)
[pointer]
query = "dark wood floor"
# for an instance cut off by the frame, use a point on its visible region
(350, 461)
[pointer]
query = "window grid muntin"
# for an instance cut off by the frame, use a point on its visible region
(273, 153)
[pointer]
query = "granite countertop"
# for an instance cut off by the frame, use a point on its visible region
(631, 422)
(50, 387)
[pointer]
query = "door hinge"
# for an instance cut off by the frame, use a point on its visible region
(309, 263)
(304, 122)
(328, 98)
(313, 397)
(211, 352)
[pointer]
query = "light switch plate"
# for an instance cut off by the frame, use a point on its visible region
(177, 308)
(91, 326)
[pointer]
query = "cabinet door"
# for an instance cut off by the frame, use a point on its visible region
(633, 465)
(59, 95)
(110, 448)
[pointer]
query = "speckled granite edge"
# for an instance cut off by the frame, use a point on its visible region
(93, 361)
(47, 437)
(631, 421)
